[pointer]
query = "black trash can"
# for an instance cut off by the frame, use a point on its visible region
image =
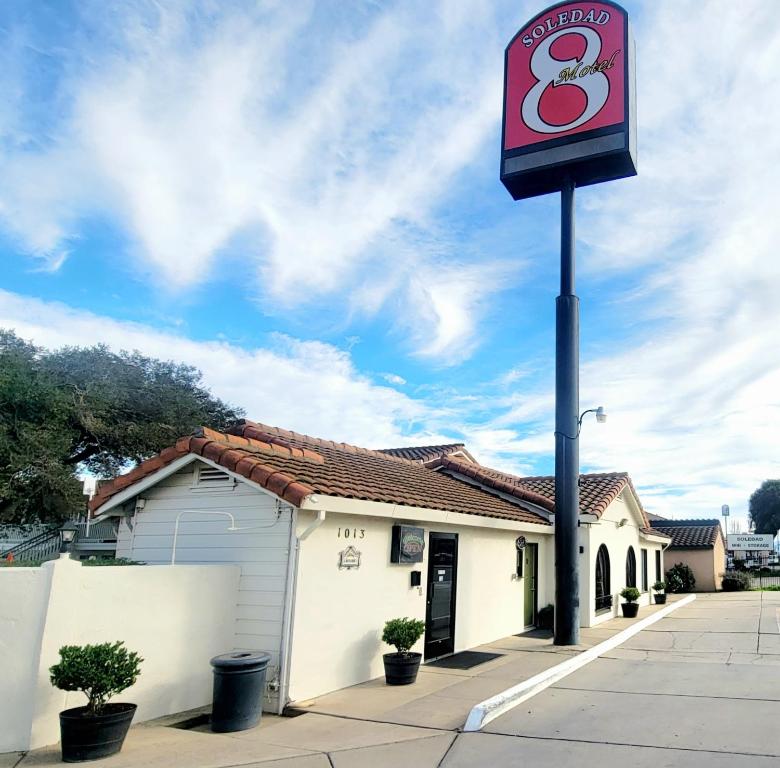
(239, 684)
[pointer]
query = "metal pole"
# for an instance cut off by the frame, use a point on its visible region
(567, 460)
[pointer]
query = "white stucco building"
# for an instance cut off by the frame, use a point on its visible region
(318, 529)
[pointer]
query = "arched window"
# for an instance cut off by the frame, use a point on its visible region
(630, 568)
(603, 595)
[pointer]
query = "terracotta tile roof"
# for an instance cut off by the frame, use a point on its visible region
(424, 453)
(293, 466)
(597, 491)
(690, 534)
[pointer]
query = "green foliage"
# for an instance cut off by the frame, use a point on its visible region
(630, 594)
(111, 561)
(768, 588)
(680, 578)
(99, 671)
(765, 507)
(659, 586)
(735, 581)
(403, 633)
(87, 409)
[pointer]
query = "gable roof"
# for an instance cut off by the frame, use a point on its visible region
(425, 453)
(689, 534)
(597, 491)
(293, 466)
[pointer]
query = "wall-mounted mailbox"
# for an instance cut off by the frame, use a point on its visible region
(408, 544)
(416, 578)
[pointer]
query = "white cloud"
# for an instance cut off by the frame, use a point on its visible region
(249, 130)
(306, 386)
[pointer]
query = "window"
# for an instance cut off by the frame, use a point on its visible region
(644, 570)
(658, 565)
(630, 568)
(603, 596)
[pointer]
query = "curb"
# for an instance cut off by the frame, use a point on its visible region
(489, 709)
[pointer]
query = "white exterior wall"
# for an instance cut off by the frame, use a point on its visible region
(340, 614)
(175, 618)
(23, 596)
(617, 539)
(261, 552)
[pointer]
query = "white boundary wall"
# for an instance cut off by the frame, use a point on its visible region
(177, 618)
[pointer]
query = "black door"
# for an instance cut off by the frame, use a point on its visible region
(442, 583)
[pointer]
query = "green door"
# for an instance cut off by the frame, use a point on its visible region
(529, 586)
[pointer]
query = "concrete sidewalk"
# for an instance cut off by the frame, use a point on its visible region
(697, 689)
(368, 724)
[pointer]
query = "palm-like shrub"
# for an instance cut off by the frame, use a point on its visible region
(99, 671)
(403, 633)
(680, 578)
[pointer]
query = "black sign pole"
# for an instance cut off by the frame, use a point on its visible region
(567, 459)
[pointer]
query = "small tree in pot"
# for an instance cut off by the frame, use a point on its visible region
(660, 595)
(630, 608)
(401, 667)
(99, 671)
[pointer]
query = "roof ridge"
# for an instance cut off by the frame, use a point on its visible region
(432, 445)
(270, 432)
(477, 472)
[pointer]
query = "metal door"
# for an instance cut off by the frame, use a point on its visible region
(442, 588)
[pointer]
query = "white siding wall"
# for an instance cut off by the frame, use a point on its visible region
(262, 553)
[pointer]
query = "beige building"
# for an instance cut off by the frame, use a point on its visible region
(334, 540)
(700, 545)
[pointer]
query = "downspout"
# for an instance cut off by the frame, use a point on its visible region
(289, 607)
(289, 612)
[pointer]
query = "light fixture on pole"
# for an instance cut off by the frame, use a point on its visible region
(67, 536)
(601, 418)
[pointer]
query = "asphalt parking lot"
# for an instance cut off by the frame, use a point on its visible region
(700, 687)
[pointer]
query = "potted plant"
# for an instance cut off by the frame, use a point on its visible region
(99, 671)
(630, 608)
(660, 595)
(401, 667)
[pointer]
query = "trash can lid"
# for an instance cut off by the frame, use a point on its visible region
(241, 659)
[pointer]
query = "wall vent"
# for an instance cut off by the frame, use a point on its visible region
(211, 477)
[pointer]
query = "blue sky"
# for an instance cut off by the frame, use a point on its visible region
(302, 199)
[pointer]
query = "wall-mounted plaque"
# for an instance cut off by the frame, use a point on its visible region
(349, 559)
(408, 544)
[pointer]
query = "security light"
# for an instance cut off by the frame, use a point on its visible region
(601, 414)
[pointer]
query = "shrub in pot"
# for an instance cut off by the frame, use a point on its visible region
(545, 618)
(99, 671)
(630, 608)
(680, 578)
(401, 667)
(660, 594)
(735, 581)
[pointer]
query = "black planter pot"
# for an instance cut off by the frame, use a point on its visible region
(630, 610)
(660, 599)
(401, 668)
(90, 737)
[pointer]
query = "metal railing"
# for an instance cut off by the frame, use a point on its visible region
(763, 571)
(43, 546)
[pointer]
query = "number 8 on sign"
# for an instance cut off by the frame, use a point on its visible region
(549, 71)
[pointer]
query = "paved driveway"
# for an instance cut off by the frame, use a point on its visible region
(699, 688)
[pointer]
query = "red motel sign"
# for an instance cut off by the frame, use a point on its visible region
(569, 109)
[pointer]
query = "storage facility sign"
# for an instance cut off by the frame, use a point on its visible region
(751, 541)
(569, 99)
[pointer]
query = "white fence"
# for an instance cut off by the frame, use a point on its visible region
(177, 618)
